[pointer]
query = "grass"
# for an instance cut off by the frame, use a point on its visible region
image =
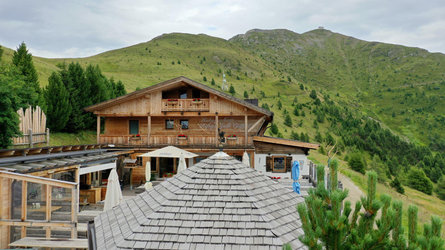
(428, 205)
(84, 137)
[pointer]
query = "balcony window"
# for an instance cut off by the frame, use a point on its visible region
(169, 124)
(183, 94)
(185, 124)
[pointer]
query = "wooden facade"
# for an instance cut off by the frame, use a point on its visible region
(179, 112)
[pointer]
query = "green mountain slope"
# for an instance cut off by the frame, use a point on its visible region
(400, 86)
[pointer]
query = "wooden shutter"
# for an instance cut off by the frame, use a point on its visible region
(269, 163)
(288, 164)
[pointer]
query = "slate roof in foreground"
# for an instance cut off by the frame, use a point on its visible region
(217, 203)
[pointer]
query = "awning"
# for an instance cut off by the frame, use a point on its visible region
(169, 152)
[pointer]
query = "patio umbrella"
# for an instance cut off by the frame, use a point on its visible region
(295, 176)
(246, 160)
(148, 183)
(113, 195)
(181, 165)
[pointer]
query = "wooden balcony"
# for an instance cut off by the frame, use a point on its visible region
(195, 104)
(157, 140)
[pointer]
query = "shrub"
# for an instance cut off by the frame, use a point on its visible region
(419, 181)
(440, 189)
(356, 162)
(397, 186)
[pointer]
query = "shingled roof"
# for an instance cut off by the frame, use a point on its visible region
(219, 202)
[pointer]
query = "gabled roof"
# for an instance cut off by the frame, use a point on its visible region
(167, 83)
(286, 142)
(219, 202)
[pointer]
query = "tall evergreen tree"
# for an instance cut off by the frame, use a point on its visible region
(22, 59)
(9, 103)
(57, 103)
(80, 96)
(120, 89)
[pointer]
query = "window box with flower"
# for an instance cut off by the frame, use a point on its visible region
(182, 137)
(232, 137)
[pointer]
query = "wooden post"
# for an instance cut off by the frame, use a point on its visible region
(98, 129)
(48, 208)
(245, 130)
(174, 165)
(77, 180)
(24, 205)
(216, 128)
(157, 165)
(47, 136)
(74, 207)
(148, 128)
(30, 137)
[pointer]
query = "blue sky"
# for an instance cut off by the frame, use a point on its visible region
(54, 28)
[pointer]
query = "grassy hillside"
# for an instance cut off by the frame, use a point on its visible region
(401, 86)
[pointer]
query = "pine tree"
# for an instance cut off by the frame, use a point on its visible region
(279, 104)
(274, 128)
(9, 103)
(246, 95)
(232, 89)
(213, 81)
(288, 121)
(57, 103)
(120, 89)
(418, 180)
(328, 222)
(22, 59)
(296, 112)
(1, 53)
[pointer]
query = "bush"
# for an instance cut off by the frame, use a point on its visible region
(440, 189)
(419, 181)
(397, 186)
(357, 163)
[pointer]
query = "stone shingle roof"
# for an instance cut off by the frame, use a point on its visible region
(217, 203)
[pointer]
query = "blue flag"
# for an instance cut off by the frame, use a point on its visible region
(295, 176)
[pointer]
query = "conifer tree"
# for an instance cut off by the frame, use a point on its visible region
(120, 89)
(22, 59)
(288, 120)
(327, 221)
(57, 103)
(9, 119)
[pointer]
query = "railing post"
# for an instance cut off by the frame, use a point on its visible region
(30, 137)
(47, 136)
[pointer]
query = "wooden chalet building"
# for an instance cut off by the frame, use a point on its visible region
(187, 114)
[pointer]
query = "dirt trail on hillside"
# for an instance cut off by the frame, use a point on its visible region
(354, 192)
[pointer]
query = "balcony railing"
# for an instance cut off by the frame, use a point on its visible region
(158, 140)
(196, 104)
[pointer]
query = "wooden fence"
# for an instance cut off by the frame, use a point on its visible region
(33, 127)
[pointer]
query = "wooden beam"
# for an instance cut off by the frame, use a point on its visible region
(157, 164)
(174, 165)
(74, 209)
(48, 209)
(245, 130)
(261, 120)
(37, 223)
(148, 128)
(216, 128)
(37, 179)
(98, 129)
(24, 206)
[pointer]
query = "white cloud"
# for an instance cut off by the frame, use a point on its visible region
(53, 28)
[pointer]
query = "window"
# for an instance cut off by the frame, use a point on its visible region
(134, 127)
(196, 93)
(279, 164)
(169, 124)
(183, 94)
(185, 124)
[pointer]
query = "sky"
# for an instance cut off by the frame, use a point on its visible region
(80, 28)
